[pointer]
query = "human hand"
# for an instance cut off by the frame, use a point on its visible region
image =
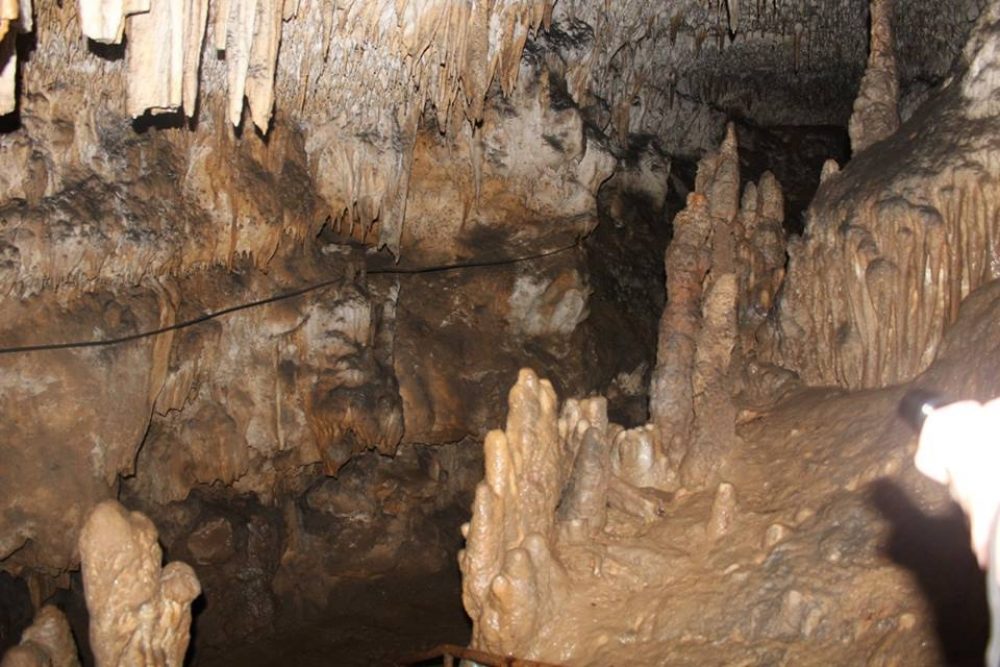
(960, 446)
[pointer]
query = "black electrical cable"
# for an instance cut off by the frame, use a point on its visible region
(204, 317)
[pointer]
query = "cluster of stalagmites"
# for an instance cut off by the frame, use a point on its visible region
(724, 265)
(890, 251)
(140, 611)
(553, 475)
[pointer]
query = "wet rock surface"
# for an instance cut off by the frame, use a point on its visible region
(400, 206)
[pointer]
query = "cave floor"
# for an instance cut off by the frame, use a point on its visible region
(826, 559)
(828, 556)
(368, 623)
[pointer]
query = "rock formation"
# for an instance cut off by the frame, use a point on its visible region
(268, 270)
(140, 611)
(876, 114)
(892, 247)
(48, 642)
(724, 268)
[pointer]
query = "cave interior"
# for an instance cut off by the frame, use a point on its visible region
(333, 332)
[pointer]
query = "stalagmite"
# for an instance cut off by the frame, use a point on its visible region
(511, 582)
(761, 255)
(140, 611)
(688, 260)
(47, 642)
(586, 496)
(876, 109)
(714, 434)
(690, 400)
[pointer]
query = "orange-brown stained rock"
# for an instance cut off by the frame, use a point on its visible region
(690, 393)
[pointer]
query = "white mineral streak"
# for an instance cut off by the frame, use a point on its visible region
(263, 60)
(16, 13)
(163, 56)
(104, 20)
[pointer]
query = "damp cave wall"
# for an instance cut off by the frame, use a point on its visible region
(510, 156)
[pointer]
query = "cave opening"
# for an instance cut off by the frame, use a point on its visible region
(574, 332)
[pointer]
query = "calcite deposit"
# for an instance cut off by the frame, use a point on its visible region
(140, 610)
(268, 271)
(893, 243)
(876, 109)
(47, 642)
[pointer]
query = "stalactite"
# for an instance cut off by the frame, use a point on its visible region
(8, 73)
(16, 14)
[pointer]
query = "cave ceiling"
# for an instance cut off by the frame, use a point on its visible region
(360, 79)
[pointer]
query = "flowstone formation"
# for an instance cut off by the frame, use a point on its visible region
(140, 611)
(896, 239)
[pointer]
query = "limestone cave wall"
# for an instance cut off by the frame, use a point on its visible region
(301, 251)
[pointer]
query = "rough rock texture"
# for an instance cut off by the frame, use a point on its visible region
(760, 255)
(48, 642)
(724, 267)
(134, 195)
(512, 585)
(140, 611)
(667, 69)
(824, 539)
(894, 242)
(876, 109)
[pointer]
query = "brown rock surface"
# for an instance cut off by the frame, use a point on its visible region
(807, 553)
(876, 113)
(479, 143)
